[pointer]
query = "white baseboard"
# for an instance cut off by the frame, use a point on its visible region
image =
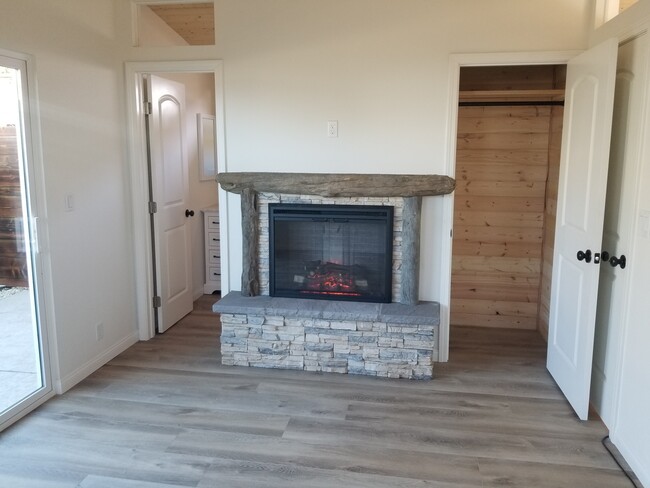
(641, 472)
(85, 370)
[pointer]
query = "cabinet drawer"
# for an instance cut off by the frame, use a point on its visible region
(214, 258)
(214, 274)
(213, 222)
(214, 239)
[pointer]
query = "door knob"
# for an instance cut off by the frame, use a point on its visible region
(586, 255)
(622, 261)
(189, 213)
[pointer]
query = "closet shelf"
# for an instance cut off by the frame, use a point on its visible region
(551, 95)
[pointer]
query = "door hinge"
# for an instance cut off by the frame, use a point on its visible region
(157, 302)
(153, 207)
(148, 108)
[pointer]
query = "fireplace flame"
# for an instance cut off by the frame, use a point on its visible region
(331, 279)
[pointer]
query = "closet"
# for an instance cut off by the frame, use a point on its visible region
(507, 161)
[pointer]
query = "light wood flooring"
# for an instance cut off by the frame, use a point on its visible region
(166, 413)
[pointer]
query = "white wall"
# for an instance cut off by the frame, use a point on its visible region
(81, 95)
(379, 67)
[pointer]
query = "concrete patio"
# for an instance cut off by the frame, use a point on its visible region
(19, 364)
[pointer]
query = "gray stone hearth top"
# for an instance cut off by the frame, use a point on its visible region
(390, 313)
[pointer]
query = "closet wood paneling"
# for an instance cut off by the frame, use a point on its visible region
(500, 200)
(554, 149)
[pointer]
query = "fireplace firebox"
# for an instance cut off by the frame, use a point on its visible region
(331, 252)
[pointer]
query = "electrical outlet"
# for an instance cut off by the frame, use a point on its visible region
(100, 331)
(332, 128)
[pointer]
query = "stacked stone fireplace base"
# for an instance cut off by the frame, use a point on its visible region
(389, 340)
(395, 340)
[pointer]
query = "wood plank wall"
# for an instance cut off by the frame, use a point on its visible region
(13, 263)
(555, 142)
(505, 200)
(501, 171)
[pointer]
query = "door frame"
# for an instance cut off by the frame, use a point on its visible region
(142, 241)
(456, 62)
(42, 275)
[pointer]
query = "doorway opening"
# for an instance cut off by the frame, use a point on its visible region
(507, 165)
(172, 198)
(508, 140)
(582, 183)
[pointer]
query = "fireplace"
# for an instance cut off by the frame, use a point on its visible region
(331, 252)
(339, 237)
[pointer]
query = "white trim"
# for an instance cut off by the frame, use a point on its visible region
(604, 11)
(28, 405)
(139, 180)
(456, 61)
(85, 370)
(42, 274)
(630, 23)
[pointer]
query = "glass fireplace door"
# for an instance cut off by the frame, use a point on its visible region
(335, 252)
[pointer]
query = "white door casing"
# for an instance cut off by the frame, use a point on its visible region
(581, 205)
(170, 187)
(135, 72)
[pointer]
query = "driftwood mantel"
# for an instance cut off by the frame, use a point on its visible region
(411, 187)
(339, 185)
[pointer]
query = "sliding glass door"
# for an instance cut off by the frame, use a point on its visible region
(24, 373)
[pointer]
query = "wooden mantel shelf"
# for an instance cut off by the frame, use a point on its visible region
(338, 185)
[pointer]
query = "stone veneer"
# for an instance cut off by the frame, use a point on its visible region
(263, 222)
(390, 340)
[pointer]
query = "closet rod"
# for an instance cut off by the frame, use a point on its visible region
(528, 103)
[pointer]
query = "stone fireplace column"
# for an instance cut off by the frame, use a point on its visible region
(411, 216)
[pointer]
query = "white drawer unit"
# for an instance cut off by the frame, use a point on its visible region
(212, 250)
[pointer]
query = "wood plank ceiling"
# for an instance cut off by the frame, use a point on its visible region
(194, 22)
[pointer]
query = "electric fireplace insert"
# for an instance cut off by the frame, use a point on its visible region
(331, 252)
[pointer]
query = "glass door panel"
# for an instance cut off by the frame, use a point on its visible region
(22, 372)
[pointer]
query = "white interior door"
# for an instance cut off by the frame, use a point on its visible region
(581, 206)
(170, 188)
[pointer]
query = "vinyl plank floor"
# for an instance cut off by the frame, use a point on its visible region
(167, 413)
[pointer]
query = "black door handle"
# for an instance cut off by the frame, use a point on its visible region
(586, 255)
(622, 261)
(189, 213)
